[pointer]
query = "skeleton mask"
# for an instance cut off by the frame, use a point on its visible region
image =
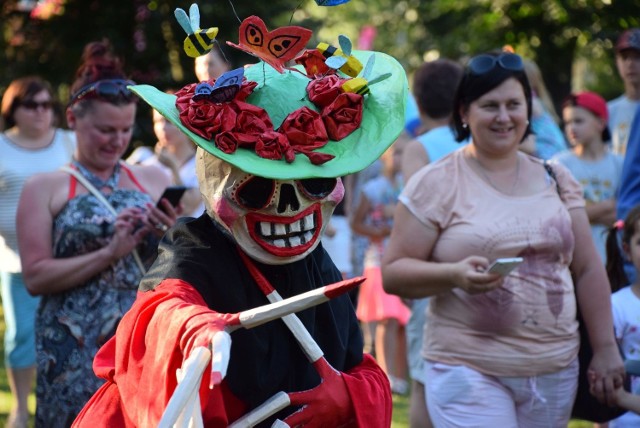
(273, 221)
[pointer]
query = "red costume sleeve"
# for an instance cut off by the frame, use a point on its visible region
(140, 362)
(153, 339)
(370, 394)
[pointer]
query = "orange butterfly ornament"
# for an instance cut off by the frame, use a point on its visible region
(273, 47)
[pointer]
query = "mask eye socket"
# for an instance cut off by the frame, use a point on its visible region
(317, 188)
(255, 193)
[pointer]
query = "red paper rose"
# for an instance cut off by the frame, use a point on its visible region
(199, 117)
(304, 130)
(226, 142)
(318, 158)
(325, 90)
(251, 119)
(313, 62)
(183, 97)
(274, 145)
(343, 116)
(246, 89)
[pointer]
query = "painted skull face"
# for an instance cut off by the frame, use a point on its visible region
(273, 221)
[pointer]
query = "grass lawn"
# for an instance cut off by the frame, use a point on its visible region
(400, 403)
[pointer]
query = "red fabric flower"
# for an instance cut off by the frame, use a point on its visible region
(274, 145)
(251, 119)
(226, 142)
(325, 90)
(246, 89)
(313, 62)
(318, 158)
(183, 97)
(232, 139)
(199, 117)
(343, 116)
(304, 130)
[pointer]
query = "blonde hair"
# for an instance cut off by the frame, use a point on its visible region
(534, 75)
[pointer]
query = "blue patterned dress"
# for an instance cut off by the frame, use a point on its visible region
(71, 326)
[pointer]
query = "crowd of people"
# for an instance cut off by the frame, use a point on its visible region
(490, 171)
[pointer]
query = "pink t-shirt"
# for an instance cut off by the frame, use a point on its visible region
(528, 326)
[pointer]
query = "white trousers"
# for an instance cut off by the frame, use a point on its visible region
(458, 396)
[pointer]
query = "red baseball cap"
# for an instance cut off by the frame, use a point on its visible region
(595, 104)
(592, 102)
(630, 39)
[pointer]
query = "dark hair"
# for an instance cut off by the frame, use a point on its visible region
(571, 101)
(24, 89)
(98, 62)
(615, 260)
(473, 86)
(434, 85)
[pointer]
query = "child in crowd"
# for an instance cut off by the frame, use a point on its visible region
(591, 162)
(626, 307)
(373, 219)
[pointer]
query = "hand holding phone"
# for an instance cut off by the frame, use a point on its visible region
(173, 194)
(503, 266)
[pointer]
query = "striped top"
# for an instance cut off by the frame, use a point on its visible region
(16, 165)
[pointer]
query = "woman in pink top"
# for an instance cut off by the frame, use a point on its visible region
(500, 350)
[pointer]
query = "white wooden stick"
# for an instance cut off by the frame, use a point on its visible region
(193, 368)
(273, 405)
(305, 340)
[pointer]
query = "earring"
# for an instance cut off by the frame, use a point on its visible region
(465, 125)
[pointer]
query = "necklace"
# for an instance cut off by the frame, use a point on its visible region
(488, 179)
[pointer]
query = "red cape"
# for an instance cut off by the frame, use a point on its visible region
(153, 339)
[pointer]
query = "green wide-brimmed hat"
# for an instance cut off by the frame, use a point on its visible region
(280, 94)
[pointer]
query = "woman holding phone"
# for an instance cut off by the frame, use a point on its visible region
(501, 350)
(86, 235)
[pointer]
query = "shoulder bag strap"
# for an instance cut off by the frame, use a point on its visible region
(100, 197)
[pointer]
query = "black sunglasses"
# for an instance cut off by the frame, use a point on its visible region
(484, 63)
(33, 105)
(112, 90)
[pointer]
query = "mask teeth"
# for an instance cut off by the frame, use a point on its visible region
(288, 235)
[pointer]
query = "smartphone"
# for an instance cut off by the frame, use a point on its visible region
(173, 195)
(505, 265)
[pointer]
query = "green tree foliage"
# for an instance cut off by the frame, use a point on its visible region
(557, 34)
(571, 40)
(144, 33)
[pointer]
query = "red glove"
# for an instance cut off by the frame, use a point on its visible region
(328, 404)
(208, 330)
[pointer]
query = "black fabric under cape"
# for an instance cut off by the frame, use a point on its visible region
(266, 359)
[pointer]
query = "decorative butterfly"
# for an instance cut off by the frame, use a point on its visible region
(223, 90)
(198, 41)
(341, 59)
(273, 47)
(360, 85)
(331, 2)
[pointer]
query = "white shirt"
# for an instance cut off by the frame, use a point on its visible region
(621, 112)
(17, 164)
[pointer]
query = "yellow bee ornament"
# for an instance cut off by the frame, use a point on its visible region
(341, 58)
(360, 85)
(198, 41)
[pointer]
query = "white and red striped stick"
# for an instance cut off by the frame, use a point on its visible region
(194, 366)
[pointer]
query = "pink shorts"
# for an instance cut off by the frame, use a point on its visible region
(458, 396)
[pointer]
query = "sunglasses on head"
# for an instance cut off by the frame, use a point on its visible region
(112, 90)
(484, 63)
(33, 105)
